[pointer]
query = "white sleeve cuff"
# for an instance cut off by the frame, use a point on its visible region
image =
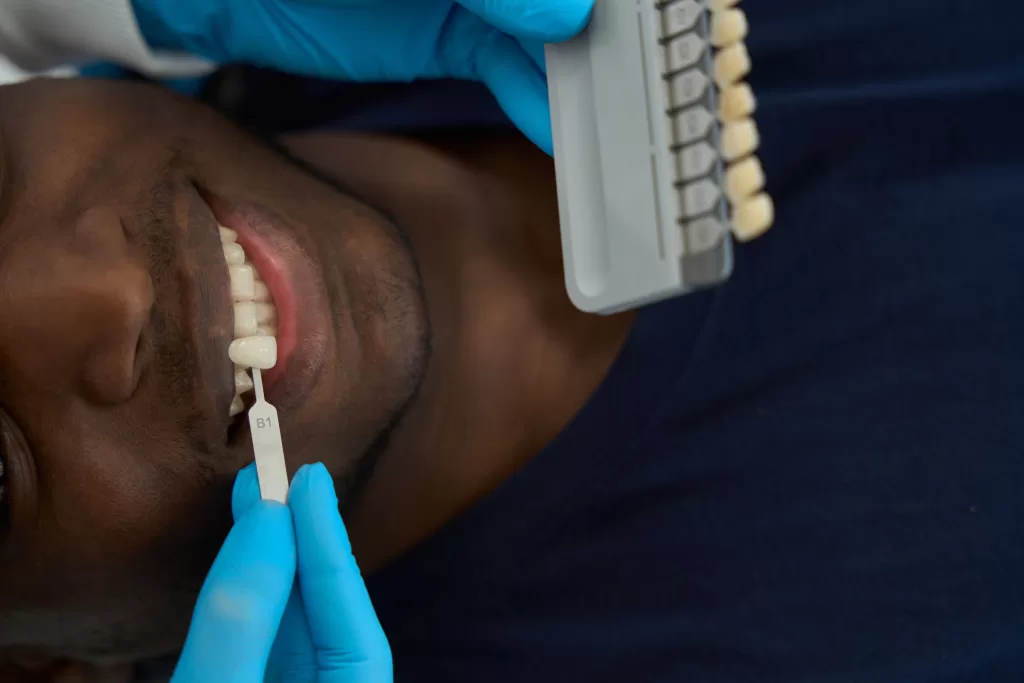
(37, 35)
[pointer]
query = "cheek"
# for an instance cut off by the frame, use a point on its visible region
(123, 499)
(123, 541)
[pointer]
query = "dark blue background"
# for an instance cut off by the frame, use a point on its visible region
(814, 473)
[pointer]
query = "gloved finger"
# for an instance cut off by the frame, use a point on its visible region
(246, 492)
(349, 641)
(293, 658)
(549, 21)
(360, 41)
(242, 601)
(522, 93)
(535, 49)
(473, 49)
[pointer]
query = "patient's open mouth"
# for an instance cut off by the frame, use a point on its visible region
(255, 343)
(282, 316)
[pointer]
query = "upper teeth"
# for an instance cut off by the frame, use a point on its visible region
(255, 319)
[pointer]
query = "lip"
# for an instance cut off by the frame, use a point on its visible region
(298, 293)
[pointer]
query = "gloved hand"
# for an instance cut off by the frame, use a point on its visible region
(253, 619)
(498, 43)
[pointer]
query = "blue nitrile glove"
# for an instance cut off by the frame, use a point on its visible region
(285, 602)
(498, 43)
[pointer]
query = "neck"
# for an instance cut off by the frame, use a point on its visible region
(512, 362)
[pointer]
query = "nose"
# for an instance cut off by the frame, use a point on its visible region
(115, 299)
(119, 302)
(80, 307)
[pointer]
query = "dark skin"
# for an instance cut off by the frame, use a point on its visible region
(459, 345)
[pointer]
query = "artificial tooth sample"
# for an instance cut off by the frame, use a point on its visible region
(233, 253)
(227, 235)
(260, 292)
(732, 64)
(739, 138)
(243, 382)
(242, 282)
(720, 5)
(752, 217)
(736, 102)
(236, 407)
(254, 352)
(246, 321)
(743, 179)
(727, 27)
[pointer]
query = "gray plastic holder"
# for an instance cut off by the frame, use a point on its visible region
(633, 102)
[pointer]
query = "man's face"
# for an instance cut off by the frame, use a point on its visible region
(115, 381)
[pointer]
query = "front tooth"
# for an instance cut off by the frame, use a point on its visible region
(268, 331)
(233, 254)
(254, 352)
(261, 293)
(265, 313)
(227, 235)
(236, 407)
(246, 322)
(242, 283)
(243, 382)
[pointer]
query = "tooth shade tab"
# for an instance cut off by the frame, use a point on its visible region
(736, 102)
(739, 139)
(728, 27)
(265, 427)
(731, 64)
(243, 382)
(254, 352)
(752, 217)
(744, 179)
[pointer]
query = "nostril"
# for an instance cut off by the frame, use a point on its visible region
(138, 306)
(115, 361)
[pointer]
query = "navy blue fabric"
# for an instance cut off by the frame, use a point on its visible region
(815, 472)
(267, 101)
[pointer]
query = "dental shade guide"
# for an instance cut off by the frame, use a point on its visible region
(255, 348)
(266, 444)
(654, 150)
